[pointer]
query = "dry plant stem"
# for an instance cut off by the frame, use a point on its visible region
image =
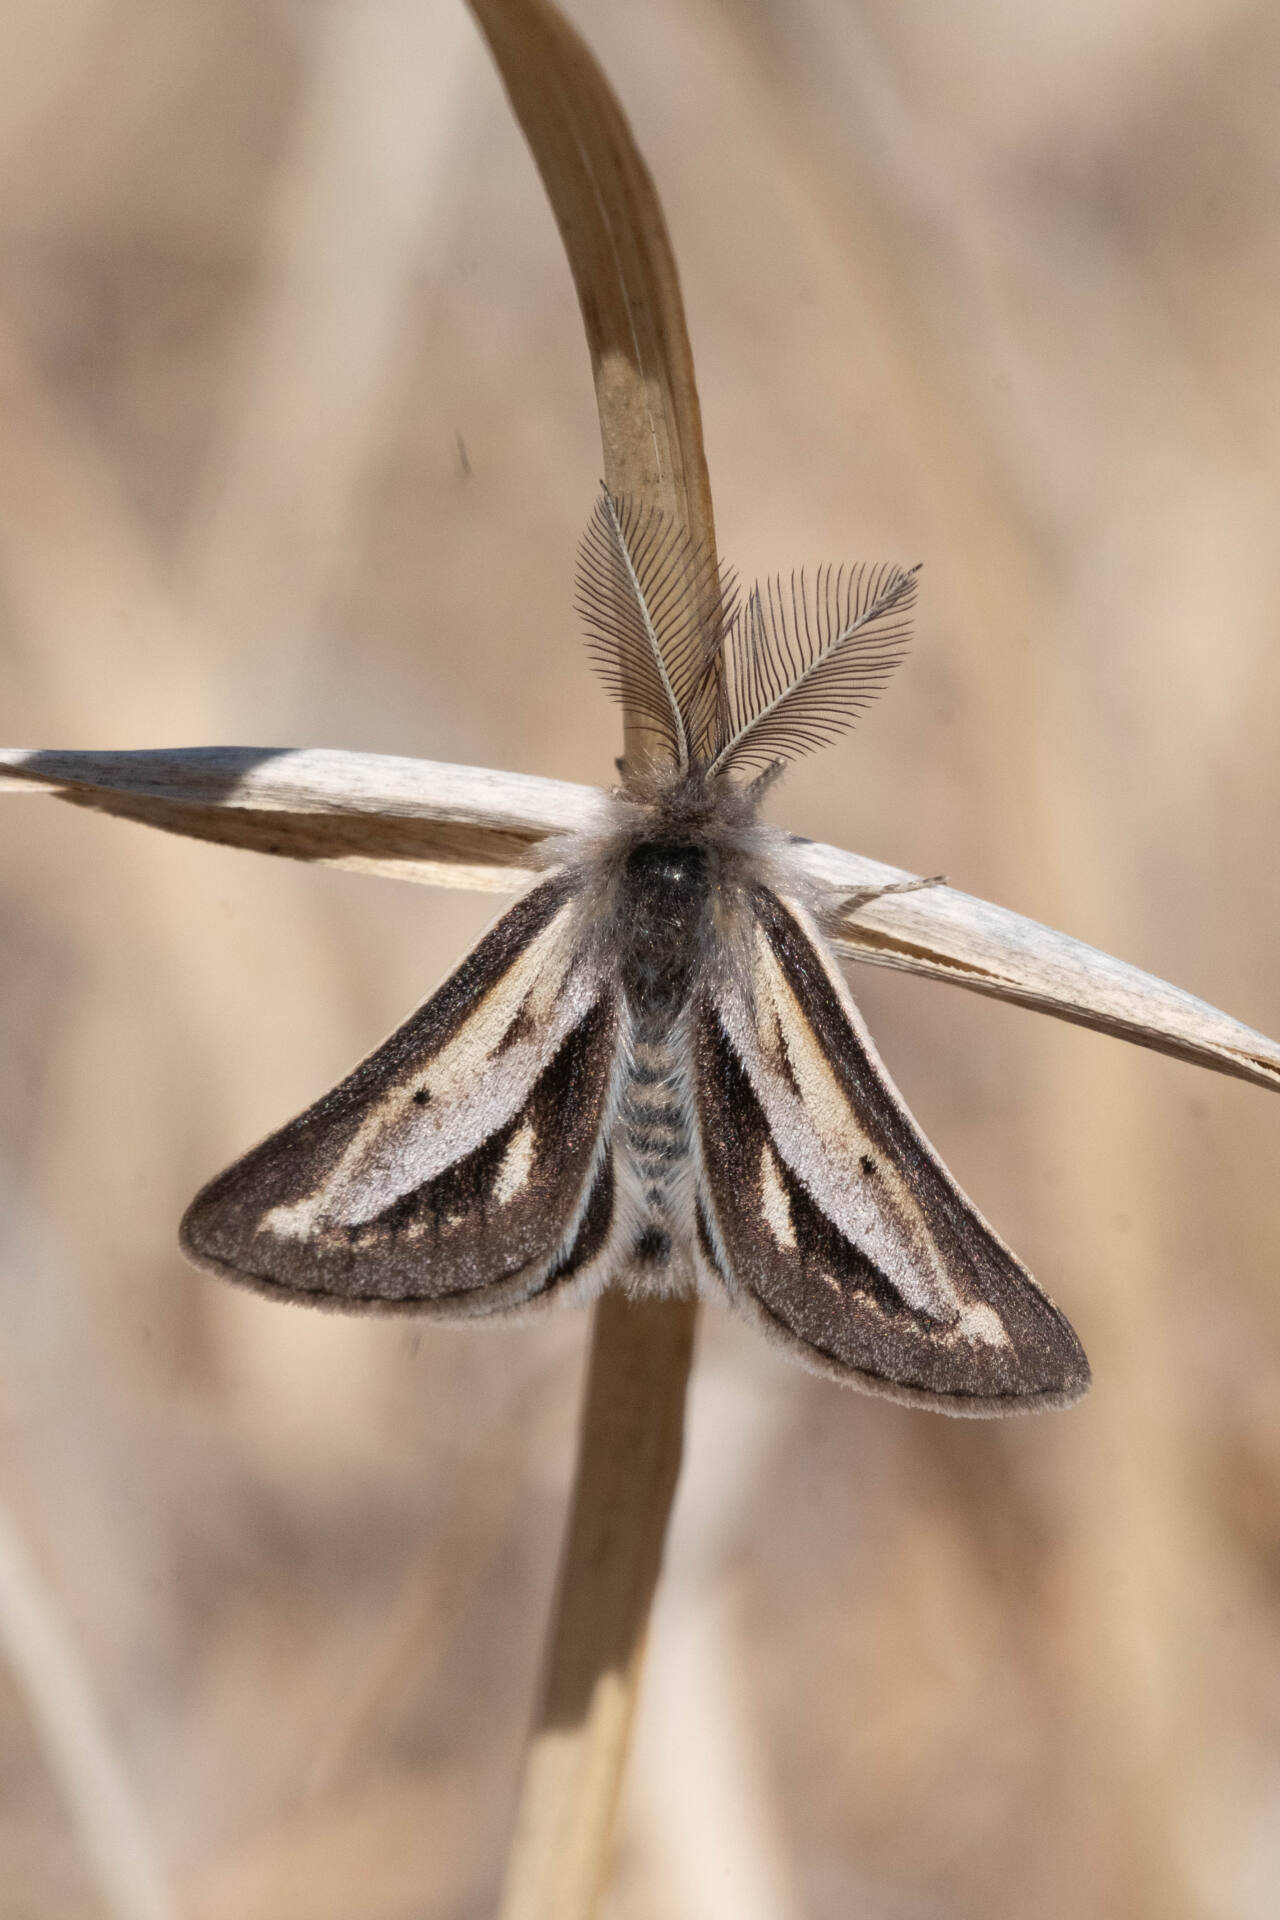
(628, 1465)
(629, 1452)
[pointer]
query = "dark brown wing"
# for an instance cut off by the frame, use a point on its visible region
(827, 1215)
(461, 1168)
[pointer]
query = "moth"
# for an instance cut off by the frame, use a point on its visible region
(650, 1071)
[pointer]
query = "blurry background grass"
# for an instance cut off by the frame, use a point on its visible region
(298, 439)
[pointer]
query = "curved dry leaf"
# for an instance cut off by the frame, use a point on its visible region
(620, 255)
(446, 825)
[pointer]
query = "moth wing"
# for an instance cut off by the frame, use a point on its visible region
(463, 1167)
(828, 1216)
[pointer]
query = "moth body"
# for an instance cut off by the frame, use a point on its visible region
(663, 907)
(656, 901)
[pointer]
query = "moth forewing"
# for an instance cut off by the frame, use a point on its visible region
(829, 1216)
(463, 1167)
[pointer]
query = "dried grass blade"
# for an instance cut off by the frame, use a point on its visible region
(417, 820)
(445, 825)
(48, 1673)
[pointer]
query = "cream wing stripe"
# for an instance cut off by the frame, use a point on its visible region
(816, 1132)
(473, 1086)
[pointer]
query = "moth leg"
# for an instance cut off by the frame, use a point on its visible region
(854, 902)
(763, 781)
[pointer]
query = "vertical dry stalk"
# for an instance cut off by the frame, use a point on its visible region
(628, 1464)
(633, 1415)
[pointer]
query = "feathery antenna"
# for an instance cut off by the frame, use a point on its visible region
(656, 608)
(805, 658)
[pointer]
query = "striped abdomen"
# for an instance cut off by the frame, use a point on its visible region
(653, 1120)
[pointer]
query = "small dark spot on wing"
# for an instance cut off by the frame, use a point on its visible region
(523, 1027)
(782, 1061)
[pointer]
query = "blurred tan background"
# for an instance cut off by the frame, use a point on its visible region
(296, 442)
